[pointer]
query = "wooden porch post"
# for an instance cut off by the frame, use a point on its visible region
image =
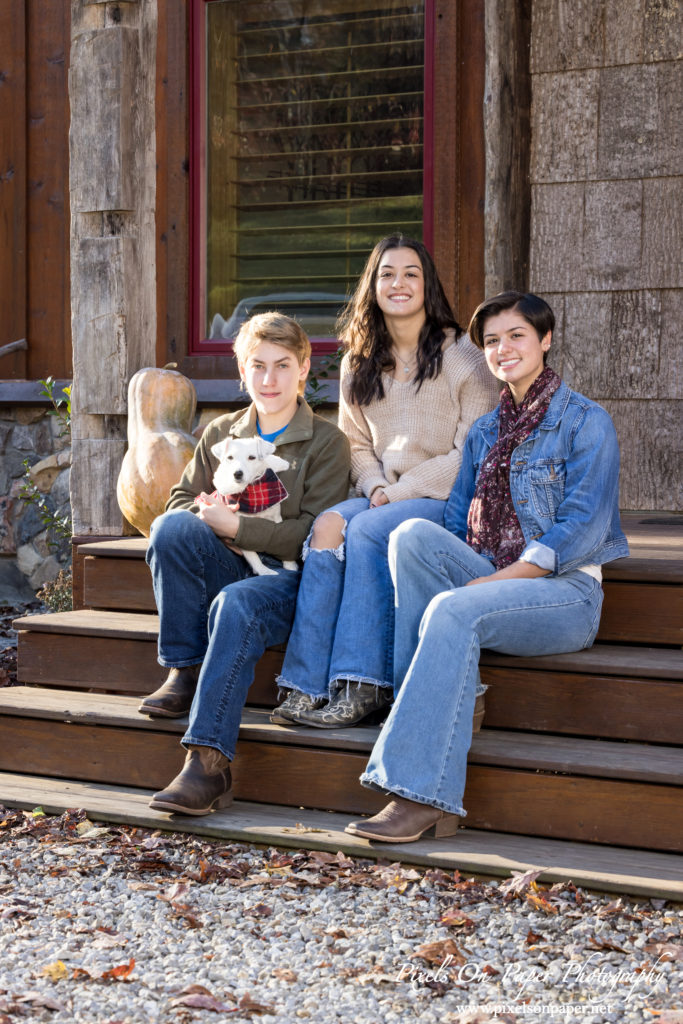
(113, 273)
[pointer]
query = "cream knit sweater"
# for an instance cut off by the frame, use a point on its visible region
(410, 442)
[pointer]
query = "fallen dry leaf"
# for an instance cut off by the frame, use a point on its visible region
(120, 973)
(604, 944)
(541, 904)
(532, 938)
(284, 974)
(519, 881)
(454, 918)
(665, 950)
(199, 1002)
(200, 998)
(258, 910)
(187, 913)
(174, 892)
(249, 1005)
(438, 952)
(55, 971)
(38, 999)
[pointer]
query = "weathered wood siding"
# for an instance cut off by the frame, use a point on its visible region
(34, 202)
(607, 221)
(113, 269)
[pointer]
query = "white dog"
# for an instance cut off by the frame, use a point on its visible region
(247, 476)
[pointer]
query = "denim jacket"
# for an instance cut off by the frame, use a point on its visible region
(564, 480)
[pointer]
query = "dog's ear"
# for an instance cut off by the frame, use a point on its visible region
(263, 448)
(219, 449)
(275, 463)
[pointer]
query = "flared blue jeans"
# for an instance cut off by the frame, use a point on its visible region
(441, 626)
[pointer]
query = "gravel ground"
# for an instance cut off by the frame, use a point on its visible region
(113, 925)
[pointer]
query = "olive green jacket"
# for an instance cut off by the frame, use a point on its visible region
(318, 477)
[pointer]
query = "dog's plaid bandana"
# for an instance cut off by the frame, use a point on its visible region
(263, 493)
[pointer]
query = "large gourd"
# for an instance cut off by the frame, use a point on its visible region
(161, 408)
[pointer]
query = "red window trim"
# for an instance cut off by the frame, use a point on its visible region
(197, 344)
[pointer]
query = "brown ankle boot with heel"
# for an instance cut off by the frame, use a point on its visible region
(173, 699)
(204, 784)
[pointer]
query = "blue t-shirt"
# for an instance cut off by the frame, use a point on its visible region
(270, 437)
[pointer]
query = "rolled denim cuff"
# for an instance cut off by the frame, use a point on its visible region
(540, 555)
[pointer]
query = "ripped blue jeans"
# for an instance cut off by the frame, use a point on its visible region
(344, 622)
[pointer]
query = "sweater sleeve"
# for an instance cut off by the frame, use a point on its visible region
(326, 483)
(473, 396)
(367, 472)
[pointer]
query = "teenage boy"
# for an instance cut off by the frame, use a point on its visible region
(217, 617)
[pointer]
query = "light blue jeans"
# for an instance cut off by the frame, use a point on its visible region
(214, 610)
(344, 623)
(441, 625)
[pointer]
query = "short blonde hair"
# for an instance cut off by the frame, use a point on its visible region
(278, 329)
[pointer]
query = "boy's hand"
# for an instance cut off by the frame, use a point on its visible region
(222, 518)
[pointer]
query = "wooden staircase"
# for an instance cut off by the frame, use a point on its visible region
(577, 747)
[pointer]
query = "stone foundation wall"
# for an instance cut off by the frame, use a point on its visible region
(27, 560)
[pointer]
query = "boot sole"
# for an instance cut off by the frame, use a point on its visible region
(368, 718)
(446, 826)
(161, 712)
(281, 720)
(219, 803)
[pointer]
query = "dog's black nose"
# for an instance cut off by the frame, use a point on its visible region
(238, 474)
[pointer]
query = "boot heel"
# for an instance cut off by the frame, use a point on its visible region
(479, 711)
(446, 826)
(223, 801)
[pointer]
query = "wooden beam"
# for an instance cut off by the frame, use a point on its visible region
(13, 170)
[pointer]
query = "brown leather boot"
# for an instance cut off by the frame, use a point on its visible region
(173, 699)
(479, 711)
(203, 785)
(404, 821)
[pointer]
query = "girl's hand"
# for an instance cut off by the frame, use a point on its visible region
(222, 518)
(517, 571)
(378, 497)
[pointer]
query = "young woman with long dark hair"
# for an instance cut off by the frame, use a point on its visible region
(411, 386)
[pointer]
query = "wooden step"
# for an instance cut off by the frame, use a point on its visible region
(114, 651)
(597, 791)
(643, 597)
(614, 692)
(613, 707)
(630, 871)
(560, 693)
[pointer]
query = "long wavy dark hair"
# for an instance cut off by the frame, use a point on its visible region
(364, 333)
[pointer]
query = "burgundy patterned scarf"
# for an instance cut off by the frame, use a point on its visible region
(492, 525)
(263, 493)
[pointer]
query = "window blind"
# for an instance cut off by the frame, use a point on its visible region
(314, 129)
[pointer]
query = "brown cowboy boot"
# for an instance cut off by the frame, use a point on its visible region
(204, 783)
(404, 821)
(173, 699)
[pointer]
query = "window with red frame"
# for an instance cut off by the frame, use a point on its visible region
(311, 140)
